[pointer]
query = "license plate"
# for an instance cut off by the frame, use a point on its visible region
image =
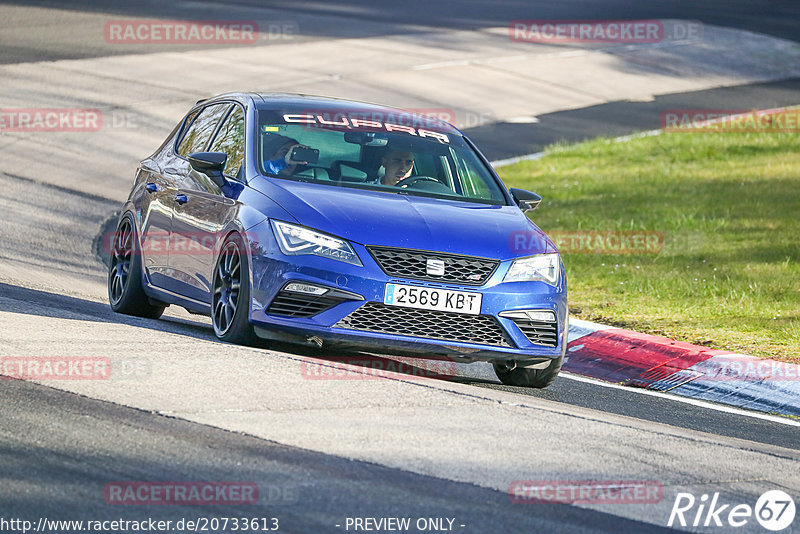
(431, 298)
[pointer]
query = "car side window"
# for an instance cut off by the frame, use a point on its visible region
(230, 140)
(202, 128)
(471, 183)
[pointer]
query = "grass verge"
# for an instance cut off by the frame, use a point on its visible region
(728, 208)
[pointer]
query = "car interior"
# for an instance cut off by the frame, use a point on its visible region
(355, 157)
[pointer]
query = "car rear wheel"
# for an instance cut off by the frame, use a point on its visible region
(125, 290)
(230, 298)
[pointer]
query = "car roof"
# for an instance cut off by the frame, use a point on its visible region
(302, 103)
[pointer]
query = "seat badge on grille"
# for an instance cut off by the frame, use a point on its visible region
(434, 267)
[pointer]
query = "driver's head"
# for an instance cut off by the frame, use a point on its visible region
(277, 146)
(284, 149)
(397, 165)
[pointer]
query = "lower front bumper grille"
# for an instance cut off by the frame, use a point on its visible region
(289, 304)
(292, 303)
(539, 332)
(444, 326)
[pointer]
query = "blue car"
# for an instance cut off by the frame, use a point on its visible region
(341, 224)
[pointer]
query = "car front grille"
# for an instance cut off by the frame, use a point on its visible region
(408, 263)
(430, 324)
(539, 332)
(290, 304)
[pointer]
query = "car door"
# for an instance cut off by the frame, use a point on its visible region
(201, 211)
(156, 204)
(157, 198)
(173, 169)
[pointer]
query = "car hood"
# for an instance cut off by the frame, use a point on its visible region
(378, 218)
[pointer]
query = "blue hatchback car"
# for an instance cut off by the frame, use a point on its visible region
(341, 224)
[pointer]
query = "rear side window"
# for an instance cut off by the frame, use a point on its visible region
(187, 123)
(230, 140)
(202, 128)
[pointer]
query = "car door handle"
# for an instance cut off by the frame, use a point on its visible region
(151, 187)
(181, 199)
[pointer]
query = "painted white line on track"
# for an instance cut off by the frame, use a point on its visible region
(580, 52)
(540, 155)
(441, 64)
(685, 400)
(516, 159)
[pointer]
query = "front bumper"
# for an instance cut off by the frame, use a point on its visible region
(271, 271)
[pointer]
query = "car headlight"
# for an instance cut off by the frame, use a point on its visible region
(540, 268)
(296, 240)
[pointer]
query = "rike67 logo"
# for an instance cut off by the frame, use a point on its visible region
(774, 511)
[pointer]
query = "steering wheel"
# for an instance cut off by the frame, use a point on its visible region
(411, 180)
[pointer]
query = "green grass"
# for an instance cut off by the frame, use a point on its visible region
(728, 206)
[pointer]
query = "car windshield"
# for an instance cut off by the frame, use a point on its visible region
(350, 150)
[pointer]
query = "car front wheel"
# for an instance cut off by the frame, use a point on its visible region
(527, 377)
(230, 298)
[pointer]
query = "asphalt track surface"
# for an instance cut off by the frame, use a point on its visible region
(59, 448)
(778, 18)
(507, 140)
(60, 465)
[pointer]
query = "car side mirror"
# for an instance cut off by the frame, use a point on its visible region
(211, 164)
(526, 200)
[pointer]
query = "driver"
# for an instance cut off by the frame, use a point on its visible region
(278, 150)
(397, 165)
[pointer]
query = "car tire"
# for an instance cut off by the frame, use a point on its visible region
(125, 289)
(530, 378)
(230, 295)
(533, 378)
